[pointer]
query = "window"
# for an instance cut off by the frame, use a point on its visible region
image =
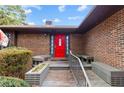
(67, 44)
(9, 35)
(51, 45)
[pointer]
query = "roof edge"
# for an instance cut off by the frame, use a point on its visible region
(98, 15)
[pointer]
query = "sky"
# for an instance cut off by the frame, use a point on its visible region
(59, 14)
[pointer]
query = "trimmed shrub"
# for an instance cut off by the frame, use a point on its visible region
(12, 82)
(15, 62)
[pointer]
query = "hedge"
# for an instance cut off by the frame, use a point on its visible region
(15, 61)
(12, 82)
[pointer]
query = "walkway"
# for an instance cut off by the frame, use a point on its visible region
(95, 80)
(59, 78)
(59, 75)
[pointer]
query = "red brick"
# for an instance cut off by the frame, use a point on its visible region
(38, 43)
(105, 42)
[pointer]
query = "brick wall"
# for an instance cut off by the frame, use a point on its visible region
(105, 42)
(76, 43)
(38, 43)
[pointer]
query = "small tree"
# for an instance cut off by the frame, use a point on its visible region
(12, 15)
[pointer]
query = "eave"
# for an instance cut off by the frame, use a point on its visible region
(98, 15)
(38, 29)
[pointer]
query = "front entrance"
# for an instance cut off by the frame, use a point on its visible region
(60, 45)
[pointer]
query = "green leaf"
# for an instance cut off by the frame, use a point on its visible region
(12, 15)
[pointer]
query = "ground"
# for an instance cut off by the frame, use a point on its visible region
(59, 78)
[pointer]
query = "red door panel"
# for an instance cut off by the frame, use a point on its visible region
(59, 45)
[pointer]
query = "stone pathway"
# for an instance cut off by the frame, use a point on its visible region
(95, 80)
(59, 78)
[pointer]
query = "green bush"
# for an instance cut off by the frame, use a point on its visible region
(15, 61)
(12, 82)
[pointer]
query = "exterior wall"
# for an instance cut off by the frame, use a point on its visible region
(38, 43)
(76, 43)
(105, 42)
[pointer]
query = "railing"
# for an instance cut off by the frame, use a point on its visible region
(78, 71)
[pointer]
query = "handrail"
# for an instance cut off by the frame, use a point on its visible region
(82, 67)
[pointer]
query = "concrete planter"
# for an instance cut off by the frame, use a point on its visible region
(36, 75)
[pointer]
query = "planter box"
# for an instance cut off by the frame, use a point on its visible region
(111, 75)
(37, 74)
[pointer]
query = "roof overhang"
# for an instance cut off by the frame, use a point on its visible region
(38, 29)
(97, 15)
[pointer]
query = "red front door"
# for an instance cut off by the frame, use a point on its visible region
(59, 45)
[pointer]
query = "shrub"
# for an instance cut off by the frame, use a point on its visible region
(15, 61)
(12, 82)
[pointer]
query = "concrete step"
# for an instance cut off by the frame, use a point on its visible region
(59, 68)
(87, 67)
(58, 65)
(58, 59)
